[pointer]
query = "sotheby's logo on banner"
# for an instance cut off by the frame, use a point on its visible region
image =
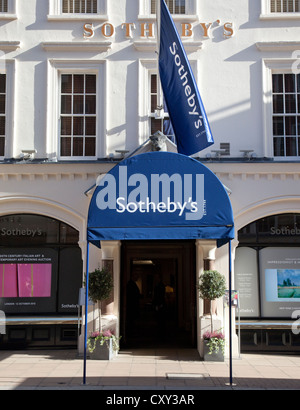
(161, 194)
(184, 104)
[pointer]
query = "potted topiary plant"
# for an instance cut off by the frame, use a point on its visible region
(212, 285)
(100, 288)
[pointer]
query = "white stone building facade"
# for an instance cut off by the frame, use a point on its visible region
(77, 94)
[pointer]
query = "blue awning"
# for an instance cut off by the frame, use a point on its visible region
(160, 195)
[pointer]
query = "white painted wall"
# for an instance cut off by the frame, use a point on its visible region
(229, 70)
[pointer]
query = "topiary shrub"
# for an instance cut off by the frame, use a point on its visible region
(211, 286)
(100, 287)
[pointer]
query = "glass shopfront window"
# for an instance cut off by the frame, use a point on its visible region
(267, 267)
(40, 265)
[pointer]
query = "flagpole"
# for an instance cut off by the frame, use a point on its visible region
(230, 314)
(159, 101)
(158, 24)
(86, 312)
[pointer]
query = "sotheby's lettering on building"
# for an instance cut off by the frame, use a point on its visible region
(78, 114)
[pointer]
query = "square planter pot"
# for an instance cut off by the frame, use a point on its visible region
(104, 352)
(214, 356)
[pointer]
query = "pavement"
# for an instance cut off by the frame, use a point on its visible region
(146, 369)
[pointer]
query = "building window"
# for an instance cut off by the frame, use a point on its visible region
(79, 6)
(158, 124)
(78, 115)
(3, 6)
(286, 114)
(2, 113)
(155, 119)
(285, 6)
(175, 6)
(77, 10)
(269, 248)
(189, 8)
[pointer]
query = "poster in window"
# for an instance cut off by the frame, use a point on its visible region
(246, 281)
(280, 281)
(28, 280)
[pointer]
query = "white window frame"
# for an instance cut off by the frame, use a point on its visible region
(72, 136)
(11, 13)
(8, 68)
(152, 115)
(55, 69)
(267, 15)
(144, 111)
(146, 68)
(55, 12)
(191, 14)
(274, 66)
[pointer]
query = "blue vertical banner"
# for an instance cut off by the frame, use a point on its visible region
(182, 97)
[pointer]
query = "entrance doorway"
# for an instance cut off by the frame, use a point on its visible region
(158, 294)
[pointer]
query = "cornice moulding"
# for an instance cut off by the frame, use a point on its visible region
(180, 17)
(147, 45)
(77, 46)
(278, 46)
(8, 16)
(9, 45)
(80, 17)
